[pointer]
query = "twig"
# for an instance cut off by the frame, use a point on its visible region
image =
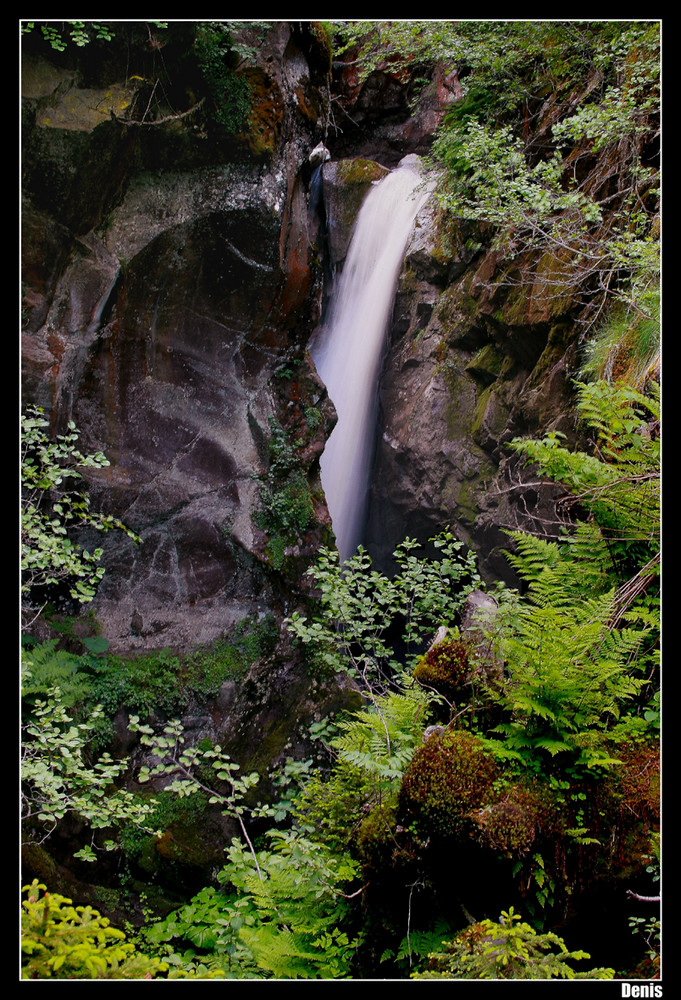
(159, 121)
(643, 899)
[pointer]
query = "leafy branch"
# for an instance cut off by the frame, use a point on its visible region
(57, 779)
(182, 764)
(50, 510)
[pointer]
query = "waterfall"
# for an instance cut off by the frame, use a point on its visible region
(348, 348)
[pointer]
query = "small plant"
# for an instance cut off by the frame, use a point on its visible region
(63, 941)
(281, 910)
(140, 684)
(51, 512)
(626, 348)
(507, 949)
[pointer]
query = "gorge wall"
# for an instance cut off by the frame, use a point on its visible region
(173, 273)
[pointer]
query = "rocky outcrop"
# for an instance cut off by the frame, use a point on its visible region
(377, 116)
(173, 274)
(345, 183)
(472, 364)
(162, 306)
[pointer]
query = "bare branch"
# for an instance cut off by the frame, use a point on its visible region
(159, 121)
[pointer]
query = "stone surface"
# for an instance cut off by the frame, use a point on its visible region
(466, 372)
(160, 308)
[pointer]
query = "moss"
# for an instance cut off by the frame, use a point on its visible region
(461, 390)
(320, 56)
(511, 823)
(484, 401)
(229, 658)
(358, 171)
(448, 777)
(189, 834)
(545, 291)
(465, 501)
(444, 668)
(490, 418)
(487, 361)
(274, 738)
(266, 113)
(376, 836)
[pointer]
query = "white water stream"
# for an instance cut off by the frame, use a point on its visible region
(348, 348)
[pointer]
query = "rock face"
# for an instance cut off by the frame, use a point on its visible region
(471, 365)
(173, 274)
(377, 118)
(162, 308)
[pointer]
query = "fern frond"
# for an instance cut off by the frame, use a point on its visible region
(380, 739)
(45, 667)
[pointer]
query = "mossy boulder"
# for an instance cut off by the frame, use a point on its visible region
(345, 184)
(444, 668)
(448, 778)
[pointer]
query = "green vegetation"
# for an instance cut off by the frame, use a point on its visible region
(360, 606)
(51, 512)
(626, 346)
(592, 88)
(551, 766)
(59, 777)
(218, 56)
(507, 949)
(286, 504)
(514, 775)
(62, 941)
(96, 684)
(58, 36)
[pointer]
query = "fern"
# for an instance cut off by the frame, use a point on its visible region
(294, 907)
(381, 739)
(45, 667)
(618, 482)
(586, 633)
(570, 674)
(281, 918)
(559, 573)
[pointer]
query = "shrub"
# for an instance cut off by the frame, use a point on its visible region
(62, 941)
(507, 949)
(51, 512)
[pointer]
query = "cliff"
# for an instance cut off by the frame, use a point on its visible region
(170, 276)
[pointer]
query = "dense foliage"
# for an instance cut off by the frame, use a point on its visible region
(545, 105)
(499, 771)
(52, 512)
(507, 949)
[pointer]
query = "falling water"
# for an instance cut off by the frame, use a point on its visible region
(348, 348)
